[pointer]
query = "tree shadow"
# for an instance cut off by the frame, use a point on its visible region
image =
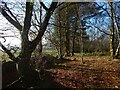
(46, 81)
(49, 82)
(52, 62)
(11, 76)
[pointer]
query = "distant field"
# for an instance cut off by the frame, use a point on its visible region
(54, 53)
(50, 52)
(4, 56)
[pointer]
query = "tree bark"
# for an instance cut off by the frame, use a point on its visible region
(29, 75)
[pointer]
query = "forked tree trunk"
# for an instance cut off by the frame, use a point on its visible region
(29, 75)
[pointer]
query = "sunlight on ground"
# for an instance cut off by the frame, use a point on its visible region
(96, 72)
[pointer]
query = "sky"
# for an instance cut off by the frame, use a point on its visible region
(12, 31)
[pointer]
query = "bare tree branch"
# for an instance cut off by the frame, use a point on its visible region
(14, 22)
(43, 5)
(102, 30)
(59, 4)
(27, 20)
(11, 56)
(10, 12)
(103, 9)
(45, 23)
(99, 29)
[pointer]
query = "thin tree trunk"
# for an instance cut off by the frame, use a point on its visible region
(73, 42)
(67, 36)
(61, 54)
(81, 44)
(67, 43)
(112, 36)
(67, 40)
(118, 37)
(117, 50)
(73, 47)
(81, 34)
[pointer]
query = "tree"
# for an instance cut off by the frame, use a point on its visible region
(117, 27)
(27, 46)
(67, 24)
(75, 27)
(111, 9)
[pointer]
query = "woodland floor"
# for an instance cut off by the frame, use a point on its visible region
(96, 72)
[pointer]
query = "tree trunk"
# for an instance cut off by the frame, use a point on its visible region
(61, 53)
(67, 43)
(117, 50)
(73, 45)
(39, 55)
(67, 40)
(81, 45)
(73, 42)
(111, 45)
(112, 31)
(29, 75)
(118, 37)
